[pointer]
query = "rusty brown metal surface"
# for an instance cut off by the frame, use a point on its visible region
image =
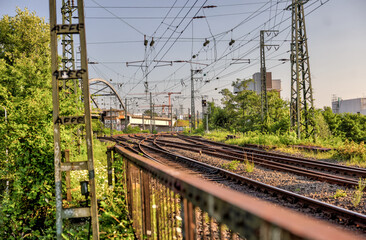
(244, 216)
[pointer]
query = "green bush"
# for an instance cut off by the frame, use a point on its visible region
(113, 219)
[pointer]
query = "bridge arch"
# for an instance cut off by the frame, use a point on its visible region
(99, 90)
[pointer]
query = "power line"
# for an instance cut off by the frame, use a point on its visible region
(119, 18)
(162, 7)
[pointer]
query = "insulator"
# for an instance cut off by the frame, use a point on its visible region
(152, 42)
(145, 41)
(206, 43)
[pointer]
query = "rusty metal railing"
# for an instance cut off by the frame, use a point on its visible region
(168, 204)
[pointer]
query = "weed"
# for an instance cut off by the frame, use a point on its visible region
(340, 193)
(233, 165)
(249, 166)
(357, 195)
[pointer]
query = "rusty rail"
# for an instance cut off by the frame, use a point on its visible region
(167, 204)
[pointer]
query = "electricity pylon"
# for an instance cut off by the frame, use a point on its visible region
(78, 29)
(264, 100)
(302, 102)
(68, 55)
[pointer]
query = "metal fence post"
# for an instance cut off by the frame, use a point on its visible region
(109, 166)
(146, 204)
(188, 220)
(68, 184)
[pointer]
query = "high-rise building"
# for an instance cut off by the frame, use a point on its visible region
(256, 86)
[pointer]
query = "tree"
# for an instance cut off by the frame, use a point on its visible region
(25, 84)
(242, 111)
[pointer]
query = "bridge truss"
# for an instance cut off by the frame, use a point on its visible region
(104, 95)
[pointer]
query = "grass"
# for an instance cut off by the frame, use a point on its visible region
(100, 168)
(340, 193)
(233, 165)
(113, 218)
(358, 193)
(249, 166)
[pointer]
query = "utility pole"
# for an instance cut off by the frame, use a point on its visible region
(198, 118)
(207, 122)
(193, 119)
(171, 118)
(153, 117)
(302, 102)
(110, 114)
(189, 119)
(264, 100)
(205, 112)
(151, 113)
(126, 114)
(85, 119)
(192, 101)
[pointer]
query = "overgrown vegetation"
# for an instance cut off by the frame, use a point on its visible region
(340, 193)
(27, 210)
(232, 165)
(249, 166)
(25, 91)
(235, 165)
(358, 193)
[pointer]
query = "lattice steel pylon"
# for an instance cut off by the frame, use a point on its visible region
(264, 100)
(302, 102)
(66, 75)
(68, 54)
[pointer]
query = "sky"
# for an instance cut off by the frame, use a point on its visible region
(115, 30)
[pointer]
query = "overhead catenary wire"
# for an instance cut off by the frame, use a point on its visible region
(287, 36)
(228, 51)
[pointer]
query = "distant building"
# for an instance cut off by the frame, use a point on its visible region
(256, 85)
(356, 105)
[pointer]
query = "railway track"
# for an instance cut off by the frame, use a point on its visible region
(151, 148)
(282, 158)
(268, 162)
(258, 160)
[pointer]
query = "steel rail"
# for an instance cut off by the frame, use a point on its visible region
(265, 163)
(333, 212)
(346, 170)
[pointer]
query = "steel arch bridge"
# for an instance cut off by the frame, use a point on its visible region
(103, 95)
